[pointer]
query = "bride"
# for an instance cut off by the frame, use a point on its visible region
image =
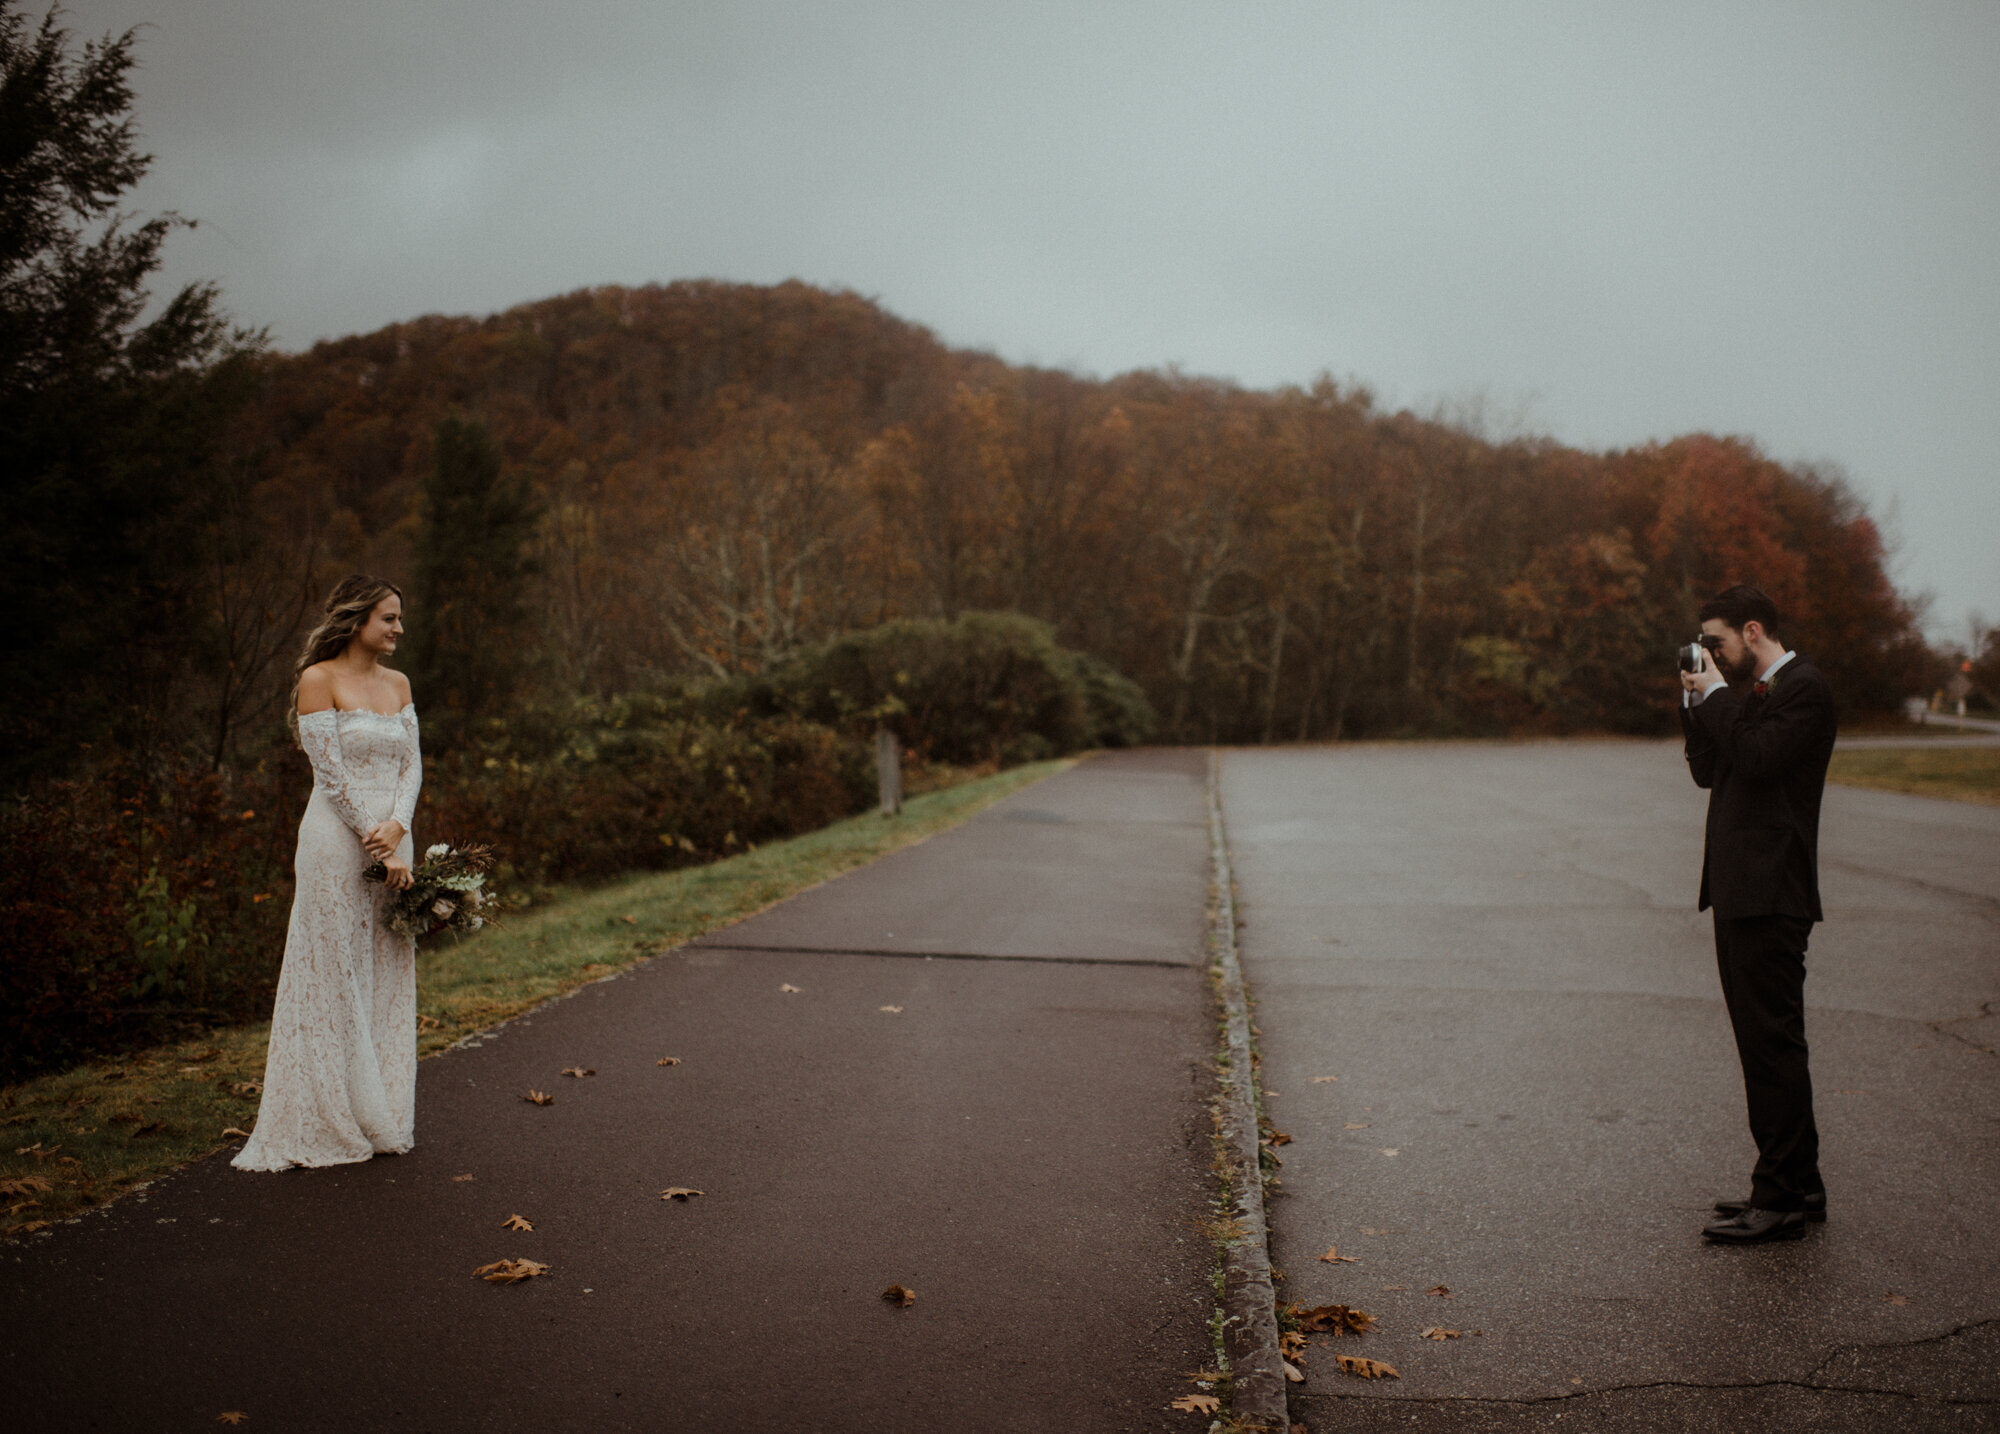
(340, 1073)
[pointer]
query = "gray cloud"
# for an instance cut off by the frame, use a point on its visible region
(1621, 221)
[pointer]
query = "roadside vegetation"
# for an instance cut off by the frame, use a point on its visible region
(77, 1139)
(1963, 774)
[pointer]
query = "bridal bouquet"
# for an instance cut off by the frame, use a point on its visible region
(447, 891)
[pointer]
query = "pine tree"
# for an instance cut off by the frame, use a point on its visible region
(470, 619)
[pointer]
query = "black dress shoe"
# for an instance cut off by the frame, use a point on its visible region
(1754, 1225)
(1815, 1210)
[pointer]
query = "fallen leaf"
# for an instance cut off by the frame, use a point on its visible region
(1441, 1291)
(507, 1272)
(1392, 1150)
(236, 1131)
(1291, 1344)
(1357, 1125)
(1435, 1332)
(1896, 1299)
(29, 1228)
(1333, 1319)
(1293, 1372)
(1197, 1404)
(428, 1023)
(668, 1061)
(579, 1072)
(539, 1097)
(1334, 1257)
(247, 1087)
(678, 1192)
(1322, 1080)
(1277, 1137)
(517, 1222)
(456, 1178)
(19, 1205)
(231, 1416)
(36, 1150)
(794, 990)
(900, 1295)
(1366, 1368)
(892, 1010)
(25, 1185)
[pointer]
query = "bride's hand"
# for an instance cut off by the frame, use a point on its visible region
(383, 841)
(396, 871)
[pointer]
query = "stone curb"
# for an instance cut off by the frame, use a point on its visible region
(1249, 1300)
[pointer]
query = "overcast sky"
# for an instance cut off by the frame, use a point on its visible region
(1611, 222)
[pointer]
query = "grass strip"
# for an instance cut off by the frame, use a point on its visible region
(1963, 774)
(73, 1141)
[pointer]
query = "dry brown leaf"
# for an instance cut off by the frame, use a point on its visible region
(235, 1130)
(1441, 1291)
(517, 1222)
(794, 990)
(1291, 1344)
(456, 1178)
(428, 1023)
(1437, 1333)
(678, 1192)
(1333, 1319)
(19, 1205)
(25, 1185)
(36, 1150)
(1322, 1080)
(578, 1072)
(901, 1296)
(1277, 1137)
(1366, 1368)
(1293, 1372)
(28, 1228)
(507, 1272)
(1896, 1299)
(668, 1061)
(231, 1416)
(539, 1097)
(1197, 1404)
(1334, 1257)
(892, 1010)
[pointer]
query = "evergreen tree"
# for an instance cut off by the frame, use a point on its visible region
(107, 423)
(470, 619)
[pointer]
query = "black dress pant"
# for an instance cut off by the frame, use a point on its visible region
(1762, 960)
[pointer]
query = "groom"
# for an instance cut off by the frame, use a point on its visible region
(1759, 723)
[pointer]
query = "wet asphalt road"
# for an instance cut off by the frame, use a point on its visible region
(1494, 948)
(1024, 1142)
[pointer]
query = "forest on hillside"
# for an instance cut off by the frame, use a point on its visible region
(703, 478)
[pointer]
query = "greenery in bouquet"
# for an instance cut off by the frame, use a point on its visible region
(447, 891)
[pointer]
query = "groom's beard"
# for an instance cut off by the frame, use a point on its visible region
(1738, 672)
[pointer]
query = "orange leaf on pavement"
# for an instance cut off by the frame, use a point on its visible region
(900, 1295)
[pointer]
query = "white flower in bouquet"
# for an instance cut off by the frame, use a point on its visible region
(436, 850)
(442, 909)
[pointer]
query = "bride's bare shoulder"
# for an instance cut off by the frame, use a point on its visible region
(401, 683)
(315, 689)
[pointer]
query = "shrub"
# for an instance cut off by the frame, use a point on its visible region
(988, 687)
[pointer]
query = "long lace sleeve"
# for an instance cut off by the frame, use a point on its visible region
(410, 780)
(319, 734)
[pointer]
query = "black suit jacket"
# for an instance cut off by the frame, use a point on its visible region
(1763, 760)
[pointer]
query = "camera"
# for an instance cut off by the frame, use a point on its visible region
(1694, 657)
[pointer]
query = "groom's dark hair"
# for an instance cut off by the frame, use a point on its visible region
(1741, 605)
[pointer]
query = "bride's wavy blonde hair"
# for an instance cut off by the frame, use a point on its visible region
(343, 615)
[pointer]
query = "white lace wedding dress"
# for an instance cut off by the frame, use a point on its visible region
(340, 1078)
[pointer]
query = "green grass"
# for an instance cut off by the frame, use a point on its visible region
(1965, 774)
(95, 1132)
